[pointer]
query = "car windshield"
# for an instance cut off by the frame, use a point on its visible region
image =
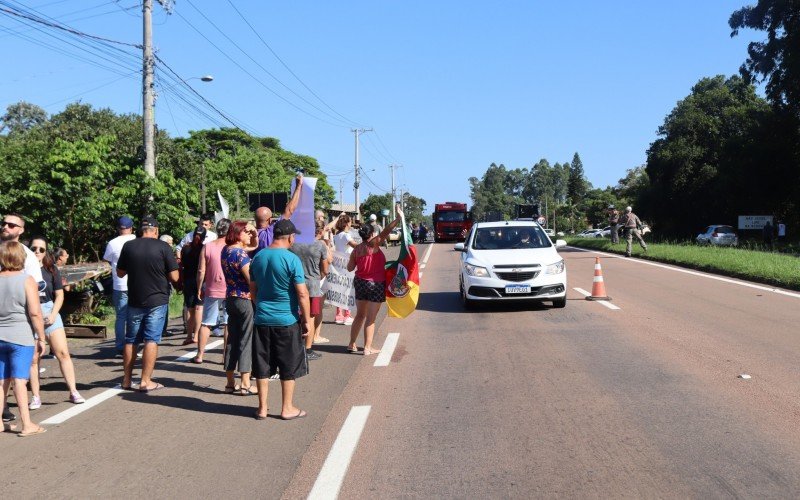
(450, 216)
(508, 237)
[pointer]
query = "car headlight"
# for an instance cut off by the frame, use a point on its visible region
(478, 271)
(556, 268)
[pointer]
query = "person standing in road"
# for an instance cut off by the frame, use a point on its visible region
(21, 331)
(51, 298)
(119, 295)
(369, 263)
(613, 221)
(150, 266)
(315, 259)
(189, 263)
(211, 288)
(263, 217)
(279, 291)
(344, 242)
(631, 224)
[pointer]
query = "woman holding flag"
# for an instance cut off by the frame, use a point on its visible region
(369, 263)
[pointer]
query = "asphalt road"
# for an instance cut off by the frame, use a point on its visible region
(519, 401)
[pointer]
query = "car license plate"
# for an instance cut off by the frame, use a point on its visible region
(518, 289)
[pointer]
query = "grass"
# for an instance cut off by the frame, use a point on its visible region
(778, 269)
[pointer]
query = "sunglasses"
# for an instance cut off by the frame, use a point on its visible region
(11, 224)
(38, 249)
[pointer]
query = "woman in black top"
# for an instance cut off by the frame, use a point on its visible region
(52, 298)
(190, 261)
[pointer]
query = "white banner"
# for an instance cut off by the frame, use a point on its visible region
(338, 285)
(303, 216)
(754, 221)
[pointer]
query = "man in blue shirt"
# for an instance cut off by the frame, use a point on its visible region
(278, 290)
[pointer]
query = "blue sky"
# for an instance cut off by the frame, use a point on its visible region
(448, 86)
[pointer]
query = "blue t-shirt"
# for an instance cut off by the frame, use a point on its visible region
(275, 272)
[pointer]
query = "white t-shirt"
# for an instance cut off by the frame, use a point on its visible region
(210, 236)
(32, 266)
(340, 242)
(113, 249)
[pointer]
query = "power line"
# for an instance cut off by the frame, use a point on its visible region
(351, 122)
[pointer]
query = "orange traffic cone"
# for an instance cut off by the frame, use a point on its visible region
(598, 286)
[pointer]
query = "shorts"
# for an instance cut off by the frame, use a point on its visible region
(47, 308)
(15, 360)
(146, 324)
(279, 349)
(316, 305)
(214, 312)
(372, 291)
(190, 294)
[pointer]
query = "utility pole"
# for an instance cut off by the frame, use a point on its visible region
(341, 195)
(357, 132)
(393, 167)
(148, 86)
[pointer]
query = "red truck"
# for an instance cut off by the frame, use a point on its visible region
(451, 221)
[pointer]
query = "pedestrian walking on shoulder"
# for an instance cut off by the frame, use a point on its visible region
(631, 224)
(282, 319)
(151, 266)
(769, 233)
(21, 331)
(119, 295)
(613, 221)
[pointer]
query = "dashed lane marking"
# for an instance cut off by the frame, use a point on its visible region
(331, 476)
(698, 273)
(385, 356)
(601, 302)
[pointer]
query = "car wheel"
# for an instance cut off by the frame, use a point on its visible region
(560, 303)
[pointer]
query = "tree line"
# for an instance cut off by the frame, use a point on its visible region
(723, 151)
(73, 173)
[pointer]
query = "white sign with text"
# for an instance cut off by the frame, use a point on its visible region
(338, 286)
(754, 221)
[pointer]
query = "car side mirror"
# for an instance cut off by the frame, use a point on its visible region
(458, 247)
(561, 243)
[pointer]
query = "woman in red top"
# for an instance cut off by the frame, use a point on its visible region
(369, 262)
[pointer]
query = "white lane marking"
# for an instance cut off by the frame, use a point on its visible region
(333, 471)
(189, 355)
(427, 255)
(602, 302)
(387, 350)
(698, 273)
(65, 415)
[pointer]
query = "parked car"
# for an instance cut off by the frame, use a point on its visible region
(510, 261)
(718, 235)
(394, 236)
(603, 233)
(588, 233)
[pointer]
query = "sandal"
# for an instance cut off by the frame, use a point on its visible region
(247, 391)
(39, 430)
(229, 389)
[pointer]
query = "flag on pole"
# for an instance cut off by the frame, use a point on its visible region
(402, 277)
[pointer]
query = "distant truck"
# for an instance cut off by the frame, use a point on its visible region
(451, 221)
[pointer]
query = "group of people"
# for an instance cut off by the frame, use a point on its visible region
(631, 226)
(252, 279)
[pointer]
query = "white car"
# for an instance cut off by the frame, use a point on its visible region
(511, 260)
(588, 233)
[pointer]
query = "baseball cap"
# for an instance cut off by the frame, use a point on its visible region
(284, 227)
(149, 222)
(373, 217)
(124, 222)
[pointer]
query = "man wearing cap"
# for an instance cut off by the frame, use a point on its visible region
(263, 216)
(150, 266)
(613, 221)
(278, 289)
(376, 228)
(119, 296)
(631, 224)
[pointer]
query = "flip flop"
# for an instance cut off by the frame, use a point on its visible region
(151, 389)
(9, 427)
(229, 389)
(260, 417)
(247, 391)
(322, 340)
(187, 342)
(300, 414)
(40, 430)
(353, 350)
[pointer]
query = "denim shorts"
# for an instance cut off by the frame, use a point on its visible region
(15, 360)
(146, 323)
(214, 312)
(47, 308)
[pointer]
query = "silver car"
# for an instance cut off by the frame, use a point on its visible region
(718, 235)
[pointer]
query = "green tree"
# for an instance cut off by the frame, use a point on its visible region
(375, 203)
(577, 185)
(22, 116)
(489, 193)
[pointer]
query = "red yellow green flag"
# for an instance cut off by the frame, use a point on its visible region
(402, 277)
